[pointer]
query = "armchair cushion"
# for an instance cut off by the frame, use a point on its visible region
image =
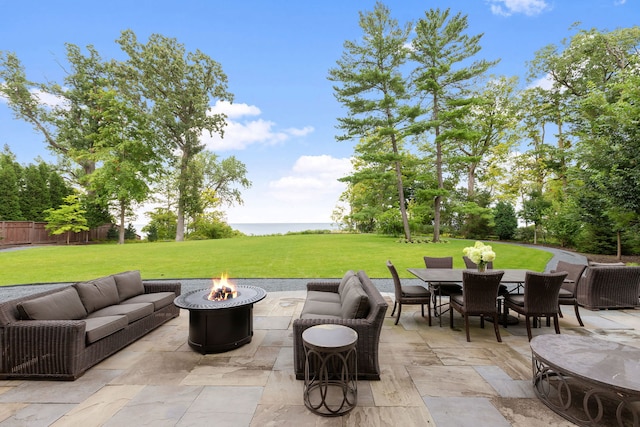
(63, 305)
(129, 284)
(355, 304)
(98, 293)
(100, 327)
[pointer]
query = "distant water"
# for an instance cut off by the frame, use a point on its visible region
(264, 229)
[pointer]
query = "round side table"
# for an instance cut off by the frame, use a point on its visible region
(330, 369)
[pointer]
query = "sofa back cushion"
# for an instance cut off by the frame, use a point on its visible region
(129, 284)
(348, 275)
(355, 301)
(98, 293)
(63, 305)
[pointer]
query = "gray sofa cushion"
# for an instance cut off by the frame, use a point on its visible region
(158, 299)
(129, 284)
(348, 275)
(98, 293)
(133, 312)
(324, 296)
(99, 327)
(320, 309)
(350, 283)
(63, 305)
(355, 304)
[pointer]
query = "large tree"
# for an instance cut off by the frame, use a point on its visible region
(126, 148)
(445, 73)
(176, 88)
(371, 85)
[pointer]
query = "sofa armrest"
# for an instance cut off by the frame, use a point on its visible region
(43, 348)
(151, 287)
(323, 286)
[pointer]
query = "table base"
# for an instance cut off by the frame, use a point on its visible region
(330, 386)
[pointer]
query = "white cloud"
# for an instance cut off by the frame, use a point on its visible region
(619, 2)
(545, 83)
(308, 192)
(240, 134)
(509, 7)
(44, 98)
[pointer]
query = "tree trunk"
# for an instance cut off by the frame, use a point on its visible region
(438, 200)
(182, 190)
(403, 207)
(619, 245)
(121, 231)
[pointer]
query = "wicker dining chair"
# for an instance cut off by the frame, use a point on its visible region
(409, 294)
(472, 265)
(438, 290)
(540, 298)
(568, 294)
(479, 298)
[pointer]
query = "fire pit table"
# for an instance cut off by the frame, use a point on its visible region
(220, 325)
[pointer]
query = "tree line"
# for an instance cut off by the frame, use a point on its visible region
(444, 146)
(127, 131)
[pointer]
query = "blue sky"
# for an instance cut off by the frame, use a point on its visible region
(276, 55)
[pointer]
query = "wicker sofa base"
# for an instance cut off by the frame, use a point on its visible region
(57, 349)
(368, 329)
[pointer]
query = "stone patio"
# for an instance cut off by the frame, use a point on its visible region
(430, 376)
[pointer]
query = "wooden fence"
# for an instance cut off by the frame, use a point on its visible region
(34, 233)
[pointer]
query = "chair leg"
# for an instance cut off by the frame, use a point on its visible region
(482, 321)
(428, 311)
(395, 304)
(399, 311)
(560, 311)
(466, 326)
(578, 314)
(450, 319)
(496, 327)
(422, 305)
(556, 323)
(528, 323)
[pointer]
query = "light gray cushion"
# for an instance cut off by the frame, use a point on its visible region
(350, 283)
(158, 299)
(100, 327)
(315, 309)
(324, 296)
(63, 305)
(349, 274)
(98, 293)
(129, 284)
(133, 312)
(355, 304)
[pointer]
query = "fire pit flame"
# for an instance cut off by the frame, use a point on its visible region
(222, 290)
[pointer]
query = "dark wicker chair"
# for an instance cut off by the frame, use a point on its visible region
(609, 287)
(438, 290)
(472, 265)
(479, 298)
(410, 294)
(540, 298)
(567, 294)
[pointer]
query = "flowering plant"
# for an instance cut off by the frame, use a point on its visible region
(480, 254)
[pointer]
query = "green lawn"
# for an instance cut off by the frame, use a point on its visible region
(281, 256)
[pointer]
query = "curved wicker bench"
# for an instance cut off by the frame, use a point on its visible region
(588, 381)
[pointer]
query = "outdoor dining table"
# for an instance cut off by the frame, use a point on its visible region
(514, 277)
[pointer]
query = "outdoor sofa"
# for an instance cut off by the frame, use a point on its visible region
(60, 333)
(354, 302)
